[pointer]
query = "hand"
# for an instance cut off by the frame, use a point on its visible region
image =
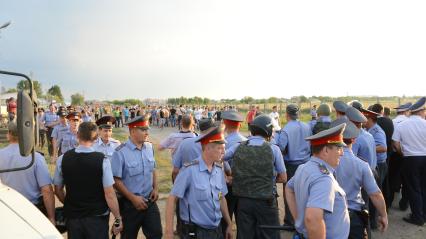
(115, 230)
(229, 232)
(383, 223)
(228, 180)
(154, 195)
(139, 202)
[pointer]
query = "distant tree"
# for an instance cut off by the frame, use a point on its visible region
(272, 100)
(23, 85)
(11, 90)
(77, 99)
(247, 100)
(55, 93)
(303, 99)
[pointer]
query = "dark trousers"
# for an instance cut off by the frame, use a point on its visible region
(252, 213)
(415, 175)
(395, 177)
(201, 233)
(88, 227)
(381, 172)
(358, 229)
(49, 141)
(42, 137)
(117, 122)
(291, 170)
(149, 220)
(231, 201)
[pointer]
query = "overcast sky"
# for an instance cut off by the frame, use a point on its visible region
(218, 49)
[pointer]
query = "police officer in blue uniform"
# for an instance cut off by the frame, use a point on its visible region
(409, 140)
(133, 166)
(201, 187)
(340, 108)
(58, 132)
(353, 174)
(295, 149)
(68, 139)
(364, 146)
(33, 183)
(189, 149)
(105, 143)
(257, 165)
(232, 121)
(89, 196)
(396, 180)
(314, 196)
(50, 120)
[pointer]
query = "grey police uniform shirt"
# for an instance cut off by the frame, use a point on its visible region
(59, 130)
(200, 191)
(314, 186)
(292, 142)
(352, 174)
(27, 182)
(67, 140)
(135, 167)
(106, 148)
(107, 179)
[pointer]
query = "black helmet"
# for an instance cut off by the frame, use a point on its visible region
(262, 122)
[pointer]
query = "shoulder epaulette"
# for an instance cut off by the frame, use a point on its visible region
(187, 164)
(220, 165)
(120, 146)
(323, 169)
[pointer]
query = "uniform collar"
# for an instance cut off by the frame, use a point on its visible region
(84, 149)
(324, 119)
(417, 117)
(132, 146)
(100, 142)
(233, 134)
(322, 162)
(256, 138)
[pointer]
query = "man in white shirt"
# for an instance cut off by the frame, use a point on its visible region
(410, 140)
(275, 116)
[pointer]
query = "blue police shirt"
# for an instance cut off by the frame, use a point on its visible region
(365, 148)
(49, 118)
(292, 142)
(106, 148)
(107, 179)
(380, 140)
(352, 174)
(135, 167)
(27, 182)
(67, 140)
(279, 166)
(232, 139)
(200, 192)
(315, 187)
(58, 130)
(187, 151)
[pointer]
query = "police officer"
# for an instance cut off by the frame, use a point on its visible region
(58, 132)
(323, 122)
(409, 140)
(87, 178)
(201, 188)
(50, 119)
(189, 149)
(33, 183)
(232, 121)
(314, 196)
(133, 167)
(364, 146)
(340, 108)
(353, 174)
(68, 139)
(396, 163)
(257, 165)
(105, 143)
(295, 149)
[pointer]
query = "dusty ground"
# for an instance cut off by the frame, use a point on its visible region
(398, 229)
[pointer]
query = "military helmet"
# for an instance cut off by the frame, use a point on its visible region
(264, 123)
(324, 110)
